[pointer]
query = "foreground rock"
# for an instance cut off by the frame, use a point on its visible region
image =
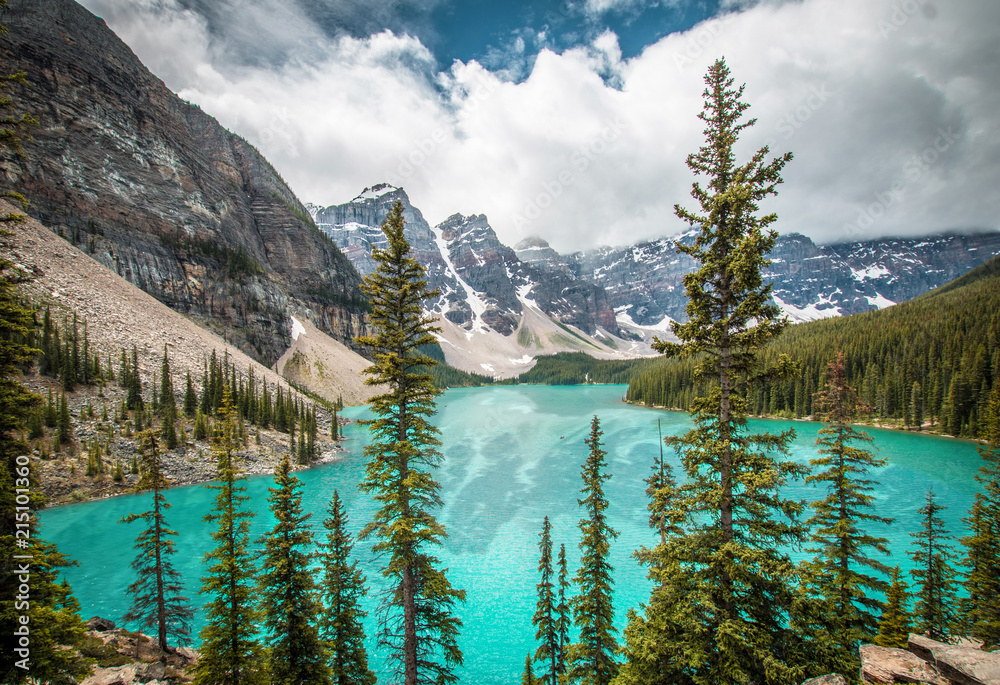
(127, 658)
(930, 661)
(831, 679)
(885, 665)
(962, 664)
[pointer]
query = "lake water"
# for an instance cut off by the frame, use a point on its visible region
(512, 455)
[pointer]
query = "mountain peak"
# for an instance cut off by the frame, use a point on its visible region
(532, 242)
(376, 191)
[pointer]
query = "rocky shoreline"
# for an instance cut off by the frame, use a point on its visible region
(62, 476)
(925, 429)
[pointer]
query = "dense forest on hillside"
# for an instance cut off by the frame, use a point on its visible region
(933, 360)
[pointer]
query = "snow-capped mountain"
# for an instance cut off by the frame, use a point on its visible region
(645, 282)
(497, 311)
(500, 307)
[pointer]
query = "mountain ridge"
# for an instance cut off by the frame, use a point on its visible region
(620, 298)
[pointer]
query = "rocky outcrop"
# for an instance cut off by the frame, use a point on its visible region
(930, 661)
(156, 190)
(100, 625)
(144, 662)
(961, 664)
(886, 665)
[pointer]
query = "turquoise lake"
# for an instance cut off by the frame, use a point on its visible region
(512, 455)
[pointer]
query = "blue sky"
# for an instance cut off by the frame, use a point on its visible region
(572, 121)
(476, 29)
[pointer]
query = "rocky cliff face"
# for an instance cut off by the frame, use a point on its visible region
(159, 192)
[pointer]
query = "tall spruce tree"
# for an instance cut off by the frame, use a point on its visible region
(342, 588)
(838, 579)
(133, 397)
(933, 573)
(190, 397)
(894, 624)
(564, 615)
(545, 618)
(288, 598)
(418, 625)
(731, 587)
(591, 661)
(982, 583)
(230, 653)
(156, 593)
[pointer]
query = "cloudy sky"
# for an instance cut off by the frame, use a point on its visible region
(572, 120)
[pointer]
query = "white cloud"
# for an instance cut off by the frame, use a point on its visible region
(595, 8)
(891, 114)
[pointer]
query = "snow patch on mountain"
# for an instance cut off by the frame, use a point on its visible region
(879, 301)
(812, 312)
(625, 320)
(522, 295)
(297, 329)
(873, 272)
(375, 192)
(476, 303)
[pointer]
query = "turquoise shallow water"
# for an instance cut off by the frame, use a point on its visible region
(512, 455)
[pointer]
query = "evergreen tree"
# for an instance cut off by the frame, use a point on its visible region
(168, 405)
(343, 586)
(418, 624)
(564, 617)
(591, 660)
(837, 576)
(133, 399)
(982, 583)
(230, 654)
(894, 625)
(156, 599)
(200, 426)
(528, 677)
(168, 431)
(933, 574)
(190, 397)
(288, 599)
(544, 619)
(916, 406)
(731, 587)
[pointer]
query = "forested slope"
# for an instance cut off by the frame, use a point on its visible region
(932, 360)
